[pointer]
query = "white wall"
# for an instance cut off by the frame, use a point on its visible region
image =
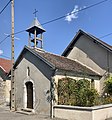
(7, 90)
(40, 74)
(83, 113)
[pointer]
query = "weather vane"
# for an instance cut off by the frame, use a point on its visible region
(35, 12)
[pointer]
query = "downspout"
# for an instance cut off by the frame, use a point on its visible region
(52, 93)
(52, 101)
(108, 66)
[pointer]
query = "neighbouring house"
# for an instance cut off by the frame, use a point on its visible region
(36, 70)
(5, 83)
(92, 53)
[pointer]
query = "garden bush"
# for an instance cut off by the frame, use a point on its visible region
(76, 92)
(108, 85)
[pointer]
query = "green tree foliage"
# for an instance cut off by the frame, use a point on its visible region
(108, 85)
(107, 95)
(76, 92)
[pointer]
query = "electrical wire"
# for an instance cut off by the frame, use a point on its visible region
(4, 39)
(106, 35)
(5, 7)
(10, 35)
(53, 20)
(93, 5)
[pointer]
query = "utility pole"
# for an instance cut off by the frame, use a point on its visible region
(12, 59)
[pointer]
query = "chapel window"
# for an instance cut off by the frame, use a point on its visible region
(92, 83)
(28, 71)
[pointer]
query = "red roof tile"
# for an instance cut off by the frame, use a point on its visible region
(5, 64)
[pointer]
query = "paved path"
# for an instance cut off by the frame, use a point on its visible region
(6, 114)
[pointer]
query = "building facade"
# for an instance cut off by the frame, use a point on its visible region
(92, 53)
(5, 83)
(35, 73)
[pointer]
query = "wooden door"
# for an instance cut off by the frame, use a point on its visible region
(29, 87)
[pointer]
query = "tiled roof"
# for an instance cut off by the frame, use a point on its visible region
(64, 63)
(5, 64)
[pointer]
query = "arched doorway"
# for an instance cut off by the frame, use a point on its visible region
(29, 90)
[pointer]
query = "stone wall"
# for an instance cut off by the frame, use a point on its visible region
(2, 92)
(83, 113)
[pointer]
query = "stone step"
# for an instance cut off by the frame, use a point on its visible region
(27, 110)
(25, 113)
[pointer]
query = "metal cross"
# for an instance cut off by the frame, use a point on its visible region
(35, 12)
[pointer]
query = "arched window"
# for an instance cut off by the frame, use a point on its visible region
(28, 71)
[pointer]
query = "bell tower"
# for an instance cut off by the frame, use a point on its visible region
(35, 34)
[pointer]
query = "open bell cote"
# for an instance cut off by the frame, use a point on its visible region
(36, 34)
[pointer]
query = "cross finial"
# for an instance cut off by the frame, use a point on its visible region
(35, 12)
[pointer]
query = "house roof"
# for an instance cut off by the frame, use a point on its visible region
(77, 36)
(59, 62)
(5, 65)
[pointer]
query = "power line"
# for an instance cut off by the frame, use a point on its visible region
(5, 6)
(4, 39)
(22, 31)
(93, 5)
(19, 32)
(10, 35)
(106, 35)
(53, 20)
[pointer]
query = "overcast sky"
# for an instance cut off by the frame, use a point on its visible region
(96, 20)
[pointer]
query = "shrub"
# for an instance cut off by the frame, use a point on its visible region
(76, 92)
(106, 99)
(108, 85)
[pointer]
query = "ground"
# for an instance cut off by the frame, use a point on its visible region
(6, 114)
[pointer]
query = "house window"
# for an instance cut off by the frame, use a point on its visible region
(92, 83)
(28, 71)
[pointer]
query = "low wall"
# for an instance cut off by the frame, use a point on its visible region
(83, 113)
